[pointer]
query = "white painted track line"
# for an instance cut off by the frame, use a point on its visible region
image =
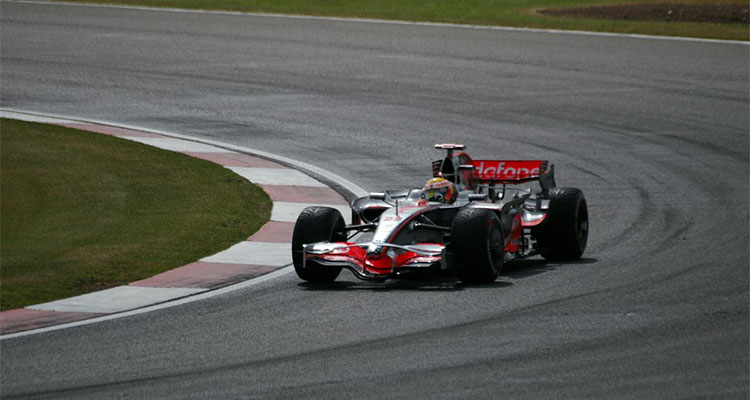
(342, 182)
(275, 176)
(179, 145)
(387, 21)
(116, 299)
(34, 118)
(254, 253)
(184, 300)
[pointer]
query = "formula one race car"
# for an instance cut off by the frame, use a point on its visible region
(471, 217)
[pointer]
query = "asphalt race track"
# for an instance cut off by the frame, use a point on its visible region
(655, 132)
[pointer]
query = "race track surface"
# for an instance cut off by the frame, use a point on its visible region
(655, 132)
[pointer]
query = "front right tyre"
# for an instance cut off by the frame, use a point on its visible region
(316, 224)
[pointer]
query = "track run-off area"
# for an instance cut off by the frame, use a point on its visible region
(654, 131)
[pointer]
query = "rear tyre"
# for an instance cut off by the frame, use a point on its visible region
(564, 233)
(477, 245)
(316, 224)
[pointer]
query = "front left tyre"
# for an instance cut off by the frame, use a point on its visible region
(316, 224)
(562, 236)
(477, 245)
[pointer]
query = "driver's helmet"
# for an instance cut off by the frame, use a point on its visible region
(440, 190)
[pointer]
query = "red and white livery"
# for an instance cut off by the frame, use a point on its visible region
(493, 220)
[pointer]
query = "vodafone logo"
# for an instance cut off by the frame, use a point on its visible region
(488, 170)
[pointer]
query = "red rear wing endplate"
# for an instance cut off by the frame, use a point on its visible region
(509, 171)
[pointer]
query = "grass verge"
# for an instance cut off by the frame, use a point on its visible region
(81, 212)
(482, 12)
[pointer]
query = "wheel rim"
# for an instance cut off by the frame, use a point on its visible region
(496, 245)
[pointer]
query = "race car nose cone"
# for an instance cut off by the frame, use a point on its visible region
(374, 250)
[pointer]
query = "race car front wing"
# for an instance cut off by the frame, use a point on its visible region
(374, 260)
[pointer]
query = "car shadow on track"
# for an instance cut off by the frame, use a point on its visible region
(530, 267)
(444, 281)
(421, 284)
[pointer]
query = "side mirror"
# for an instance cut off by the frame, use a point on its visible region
(377, 196)
(466, 167)
(478, 197)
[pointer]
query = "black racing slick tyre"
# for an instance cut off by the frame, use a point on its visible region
(316, 224)
(563, 234)
(477, 245)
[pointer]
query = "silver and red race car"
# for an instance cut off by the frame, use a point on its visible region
(471, 218)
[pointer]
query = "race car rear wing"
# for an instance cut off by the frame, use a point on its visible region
(513, 172)
(491, 171)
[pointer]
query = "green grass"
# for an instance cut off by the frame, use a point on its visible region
(81, 212)
(517, 13)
